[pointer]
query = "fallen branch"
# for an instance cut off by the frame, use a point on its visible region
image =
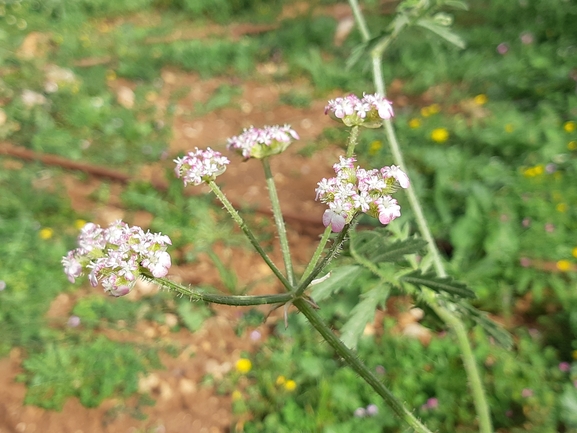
(307, 224)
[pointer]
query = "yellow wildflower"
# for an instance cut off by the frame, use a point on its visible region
(430, 110)
(290, 385)
(509, 128)
(572, 145)
(375, 147)
(280, 380)
(480, 99)
(561, 207)
(574, 252)
(570, 126)
(151, 96)
(243, 365)
(440, 135)
(414, 123)
(574, 354)
(236, 395)
(110, 75)
(534, 171)
(79, 223)
(564, 265)
(46, 233)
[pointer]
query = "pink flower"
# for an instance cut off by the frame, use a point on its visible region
(388, 209)
(372, 410)
(525, 262)
(335, 220)
(200, 166)
(397, 174)
(370, 111)
(73, 321)
(564, 366)
(354, 190)
(527, 38)
(527, 392)
(503, 48)
(261, 143)
(117, 256)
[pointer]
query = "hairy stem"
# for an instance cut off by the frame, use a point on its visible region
(317, 254)
(358, 366)
(237, 218)
(454, 322)
(279, 221)
(479, 398)
(353, 141)
(332, 253)
(239, 301)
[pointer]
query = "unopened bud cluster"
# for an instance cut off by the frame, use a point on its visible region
(262, 142)
(356, 190)
(370, 111)
(116, 256)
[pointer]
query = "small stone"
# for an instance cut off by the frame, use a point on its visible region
(125, 97)
(186, 386)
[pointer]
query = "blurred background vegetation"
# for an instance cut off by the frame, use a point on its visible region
(490, 135)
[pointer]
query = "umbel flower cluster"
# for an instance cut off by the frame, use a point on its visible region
(370, 111)
(260, 143)
(200, 166)
(116, 256)
(355, 190)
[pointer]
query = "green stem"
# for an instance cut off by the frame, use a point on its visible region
(237, 218)
(414, 201)
(479, 398)
(452, 321)
(361, 260)
(353, 141)
(336, 247)
(317, 254)
(357, 365)
(360, 19)
(279, 221)
(239, 301)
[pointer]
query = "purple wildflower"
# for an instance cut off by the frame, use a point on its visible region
(370, 111)
(116, 256)
(355, 190)
(200, 166)
(503, 48)
(73, 321)
(372, 410)
(260, 143)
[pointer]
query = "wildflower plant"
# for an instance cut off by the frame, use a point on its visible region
(116, 256)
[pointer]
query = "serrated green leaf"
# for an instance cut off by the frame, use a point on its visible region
(397, 250)
(363, 313)
(340, 277)
(456, 4)
(438, 284)
(376, 246)
(442, 31)
(364, 49)
(500, 334)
